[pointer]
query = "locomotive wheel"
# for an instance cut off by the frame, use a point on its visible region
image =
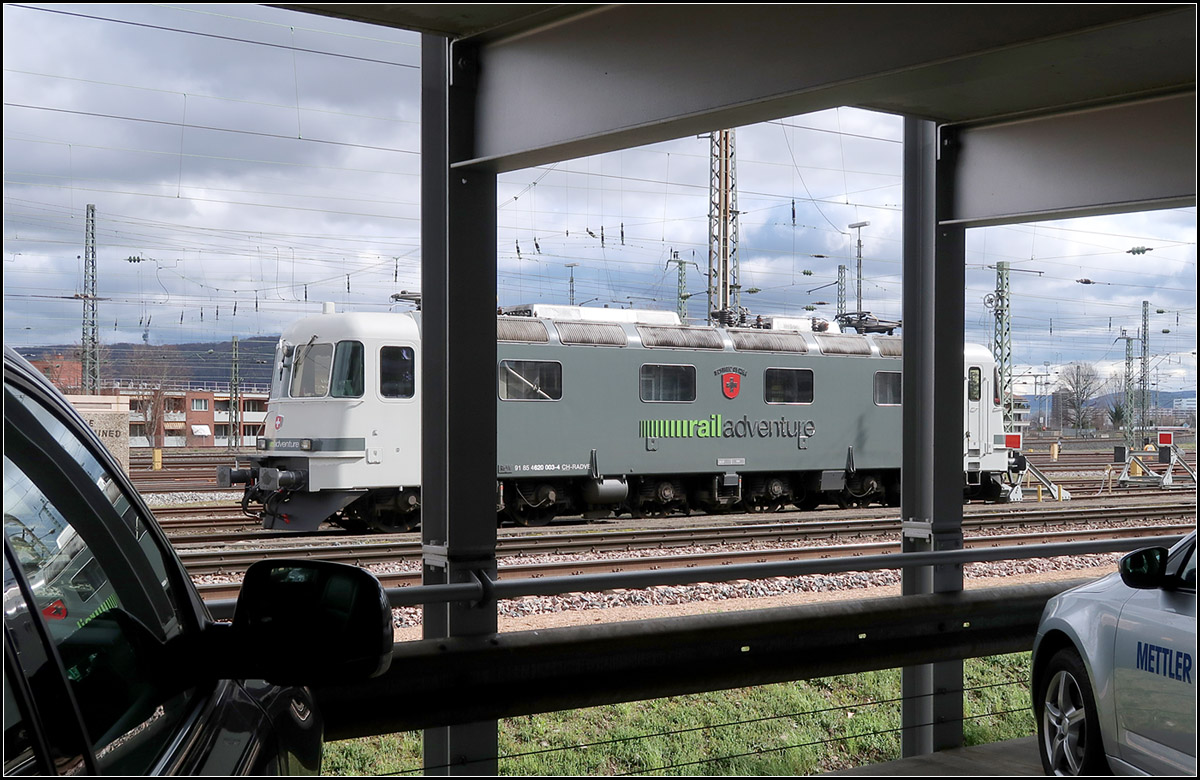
(354, 524)
(532, 517)
(809, 502)
(395, 524)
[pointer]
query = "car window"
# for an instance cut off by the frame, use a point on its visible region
(20, 753)
(94, 589)
(77, 451)
(1187, 567)
(30, 669)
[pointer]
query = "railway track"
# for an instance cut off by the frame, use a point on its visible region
(738, 544)
(225, 522)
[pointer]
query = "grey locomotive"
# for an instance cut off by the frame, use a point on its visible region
(602, 411)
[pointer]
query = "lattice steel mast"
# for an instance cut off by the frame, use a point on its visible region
(1130, 435)
(235, 400)
(1002, 340)
(1144, 383)
(841, 292)
(90, 343)
(724, 290)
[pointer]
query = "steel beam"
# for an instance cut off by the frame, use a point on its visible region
(439, 682)
(617, 76)
(1128, 157)
(458, 407)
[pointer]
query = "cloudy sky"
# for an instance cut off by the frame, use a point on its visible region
(248, 163)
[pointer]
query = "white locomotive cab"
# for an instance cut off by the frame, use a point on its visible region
(343, 430)
(985, 455)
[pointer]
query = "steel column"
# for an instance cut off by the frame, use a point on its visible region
(931, 486)
(458, 412)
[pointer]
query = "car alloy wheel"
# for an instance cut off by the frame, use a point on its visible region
(1069, 735)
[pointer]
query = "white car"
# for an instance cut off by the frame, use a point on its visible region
(1114, 675)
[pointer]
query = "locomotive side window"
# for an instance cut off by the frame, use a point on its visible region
(397, 372)
(995, 387)
(668, 383)
(788, 386)
(348, 370)
(530, 380)
(310, 372)
(974, 384)
(887, 388)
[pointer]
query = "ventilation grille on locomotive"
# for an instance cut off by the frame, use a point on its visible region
(843, 344)
(597, 333)
(890, 346)
(686, 338)
(766, 341)
(521, 330)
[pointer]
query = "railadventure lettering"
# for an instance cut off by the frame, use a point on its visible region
(717, 427)
(1172, 664)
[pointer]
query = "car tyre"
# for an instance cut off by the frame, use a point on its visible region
(1068, 727)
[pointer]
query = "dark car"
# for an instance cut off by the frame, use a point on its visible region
(112, 663)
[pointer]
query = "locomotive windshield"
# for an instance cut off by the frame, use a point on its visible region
(313, 365)
(279, 375)
(310, 371)
(348, 370)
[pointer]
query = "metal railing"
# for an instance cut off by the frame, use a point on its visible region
(440, 682)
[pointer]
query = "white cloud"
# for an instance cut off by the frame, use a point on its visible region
(297, 173)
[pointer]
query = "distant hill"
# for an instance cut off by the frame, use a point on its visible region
(196, 362)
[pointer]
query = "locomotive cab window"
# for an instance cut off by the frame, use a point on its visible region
(974, 383)
(397, 372)
(530, 380)
(664, 383)
(310, 371)
(887, 388)
(788, 386)
(348, 370)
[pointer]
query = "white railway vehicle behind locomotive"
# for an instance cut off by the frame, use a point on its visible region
(602, 411)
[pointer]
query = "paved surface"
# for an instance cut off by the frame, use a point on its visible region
(1012, 757)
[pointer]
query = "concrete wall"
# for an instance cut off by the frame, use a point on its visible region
(108, 416)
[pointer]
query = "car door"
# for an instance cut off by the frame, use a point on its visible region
(100, 624)
(1154, 673)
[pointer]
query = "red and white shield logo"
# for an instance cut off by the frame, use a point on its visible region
(730, 384)
(278, 421)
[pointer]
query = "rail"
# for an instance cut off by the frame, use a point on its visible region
(486, 590)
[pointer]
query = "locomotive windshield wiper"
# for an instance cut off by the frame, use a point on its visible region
(299, 359)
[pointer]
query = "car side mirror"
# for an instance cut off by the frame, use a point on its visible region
(1144, 569)
(301, 622)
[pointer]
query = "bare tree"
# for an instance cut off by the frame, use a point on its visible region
(1079, 383)
(149, 370)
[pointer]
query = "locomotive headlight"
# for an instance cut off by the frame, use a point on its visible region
(260, 443)
(306, 444)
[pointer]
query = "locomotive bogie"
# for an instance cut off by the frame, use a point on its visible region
(598, 418)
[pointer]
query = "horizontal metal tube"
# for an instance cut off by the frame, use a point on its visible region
(439, 682)
(222, 609)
